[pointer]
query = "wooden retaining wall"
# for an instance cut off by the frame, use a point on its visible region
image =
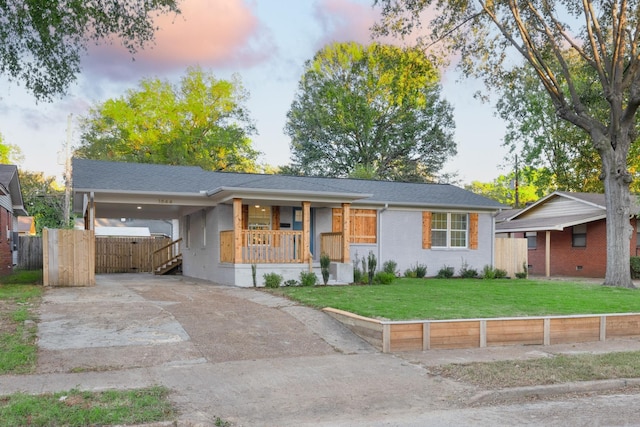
(392, 336)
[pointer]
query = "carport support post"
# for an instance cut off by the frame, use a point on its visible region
(346, 229)
(547, 254)
(237, 230)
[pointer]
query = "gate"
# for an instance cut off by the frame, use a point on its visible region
(126, 254)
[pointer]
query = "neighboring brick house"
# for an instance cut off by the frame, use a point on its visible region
(566, 233)
(11, 206)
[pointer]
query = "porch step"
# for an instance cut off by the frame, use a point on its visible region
(170, 267)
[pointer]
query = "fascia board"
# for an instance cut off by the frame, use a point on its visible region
(555, 227)
(224, 194)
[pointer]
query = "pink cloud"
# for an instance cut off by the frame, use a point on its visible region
(344, 21)
(221, 34)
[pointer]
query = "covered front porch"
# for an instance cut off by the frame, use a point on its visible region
(244, 245)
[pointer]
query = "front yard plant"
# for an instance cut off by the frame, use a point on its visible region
(416, 299)
(272, 280)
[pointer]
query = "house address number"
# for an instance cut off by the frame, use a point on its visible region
(165, 201)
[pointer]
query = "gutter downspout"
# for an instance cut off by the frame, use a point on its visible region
(378, 232)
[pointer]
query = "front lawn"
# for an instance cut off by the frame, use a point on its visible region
(408, 299)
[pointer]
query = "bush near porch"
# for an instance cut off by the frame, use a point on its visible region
(438, 299)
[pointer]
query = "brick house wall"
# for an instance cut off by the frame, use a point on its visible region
(6, 254)
(566, 260)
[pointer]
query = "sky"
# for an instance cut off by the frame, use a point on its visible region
(265, 43)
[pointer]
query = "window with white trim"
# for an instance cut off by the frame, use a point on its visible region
(579, 236)
(449, 230)
(532, 239)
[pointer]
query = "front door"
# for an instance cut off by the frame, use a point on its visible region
(297, 224)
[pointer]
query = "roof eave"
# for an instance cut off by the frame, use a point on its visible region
(223, 194)
(555, 227)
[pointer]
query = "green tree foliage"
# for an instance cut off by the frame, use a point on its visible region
(502, 189)
(562, 153)
(371, 111)
(200, 122)
(9, 153)
(42, 42)
(44, 200)
(602, 38)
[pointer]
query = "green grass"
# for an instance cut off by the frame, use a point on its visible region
(79, 408)
(408, 299)
(19, 296)
(548, 370)
(23, 277)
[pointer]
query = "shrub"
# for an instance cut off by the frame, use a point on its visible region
(325, 262)
(254, 269)
(384, 278)
(488, 272)
(445, 272)
(358, 274)
(390, 267)
(635, 267)
(272, 280)
(290, 282)
(308, 278)
(500, 273)
(421, 270)
(466, 272)
(410, 273)
(371, 264)
(522, 274)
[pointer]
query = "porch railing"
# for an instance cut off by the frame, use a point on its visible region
(167, 255)
(263, 247)
(331, 244)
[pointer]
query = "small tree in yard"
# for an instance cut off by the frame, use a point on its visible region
(325, 262)
(562, 42)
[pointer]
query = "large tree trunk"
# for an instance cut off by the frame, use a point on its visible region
(616, 190)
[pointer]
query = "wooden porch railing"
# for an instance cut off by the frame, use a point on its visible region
(331, 244)
(263, 247)
(166, 256)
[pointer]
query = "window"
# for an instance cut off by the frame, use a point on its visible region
(532, 239)
(449, 230)
(579, 236)
(259, 217)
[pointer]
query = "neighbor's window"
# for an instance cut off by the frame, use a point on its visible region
(449, 230)
(579, 236)
(532, 239)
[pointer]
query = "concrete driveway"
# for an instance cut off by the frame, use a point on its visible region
(257, 360)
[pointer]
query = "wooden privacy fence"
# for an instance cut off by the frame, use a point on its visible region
(30, 252)
(68, 257)
(511, 255)
(126, 254)
(390, 336)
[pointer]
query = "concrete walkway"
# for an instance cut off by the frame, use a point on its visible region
(250, 358)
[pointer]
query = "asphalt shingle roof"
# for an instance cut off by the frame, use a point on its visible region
(132, 177)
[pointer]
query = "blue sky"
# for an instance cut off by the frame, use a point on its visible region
(266, 43)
